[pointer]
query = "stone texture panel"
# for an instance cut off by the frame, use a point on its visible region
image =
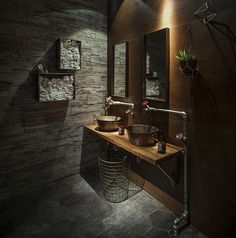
(56, 88)
(70, 54)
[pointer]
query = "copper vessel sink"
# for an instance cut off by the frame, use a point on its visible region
(108, 123)
(142, 135)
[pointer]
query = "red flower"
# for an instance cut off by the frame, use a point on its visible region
(108, 99)
(145, 103)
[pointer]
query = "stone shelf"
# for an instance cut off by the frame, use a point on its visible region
(147, 153)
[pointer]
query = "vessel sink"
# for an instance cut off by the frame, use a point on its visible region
(142, 135)
(108, 123)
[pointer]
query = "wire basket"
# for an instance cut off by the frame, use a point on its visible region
(113, 175)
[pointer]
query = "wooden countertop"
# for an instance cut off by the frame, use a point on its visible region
(148, 153)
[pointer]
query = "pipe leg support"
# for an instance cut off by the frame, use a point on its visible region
(180, 222)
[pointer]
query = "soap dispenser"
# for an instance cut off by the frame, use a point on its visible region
(121, 128)
(161, 144)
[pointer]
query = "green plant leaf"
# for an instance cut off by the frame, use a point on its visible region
(185, 55)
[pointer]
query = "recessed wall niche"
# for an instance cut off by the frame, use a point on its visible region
(69, 54)
(56, 86)
(59, 85)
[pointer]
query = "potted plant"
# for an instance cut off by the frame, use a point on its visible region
(187, 62)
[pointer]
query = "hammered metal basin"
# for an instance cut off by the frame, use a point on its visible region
(108, 123)
(142, 135)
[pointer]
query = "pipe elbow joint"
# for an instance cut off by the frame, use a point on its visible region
(184, 115)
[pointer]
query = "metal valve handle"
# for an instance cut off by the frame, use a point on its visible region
(179, 136)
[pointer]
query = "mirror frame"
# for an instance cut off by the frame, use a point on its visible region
(166, 100)
(126, 70)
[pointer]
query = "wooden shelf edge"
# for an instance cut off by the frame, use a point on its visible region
(148, 154)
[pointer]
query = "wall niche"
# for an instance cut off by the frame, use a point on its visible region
(60, 85)
(56, 86)
(69, 54)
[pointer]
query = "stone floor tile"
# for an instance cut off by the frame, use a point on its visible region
(191, 232)
(161, 220)
(156, 233)
(72, 208)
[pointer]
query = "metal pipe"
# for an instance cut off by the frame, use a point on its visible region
(181, 113)
(183, 219)
(121, 103)
(130, 110)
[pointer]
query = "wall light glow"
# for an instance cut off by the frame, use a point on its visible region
(167, 13)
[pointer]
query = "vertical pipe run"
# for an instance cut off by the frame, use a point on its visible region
(183, 219)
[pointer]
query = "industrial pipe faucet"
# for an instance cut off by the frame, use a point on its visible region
(110, 102)
(183, 219)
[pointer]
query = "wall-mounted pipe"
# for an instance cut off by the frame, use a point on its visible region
(183, 219)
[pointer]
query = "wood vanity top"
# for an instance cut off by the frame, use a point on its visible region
(148, 153)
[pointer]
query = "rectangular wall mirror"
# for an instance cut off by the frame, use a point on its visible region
(156, 85)
(120, 73)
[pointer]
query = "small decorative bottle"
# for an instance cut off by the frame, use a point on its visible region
(121, 128)
(161, 143)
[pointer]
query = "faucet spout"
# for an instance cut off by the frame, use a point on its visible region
(130, 110)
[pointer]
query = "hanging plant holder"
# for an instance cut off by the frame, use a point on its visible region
(188, 64)
(188, 67)
(205, 13)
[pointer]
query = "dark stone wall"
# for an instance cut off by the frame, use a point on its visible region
(209, 98)
(42, 142)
